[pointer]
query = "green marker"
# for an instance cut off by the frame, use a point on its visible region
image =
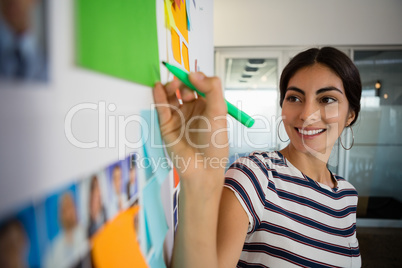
(237, 114)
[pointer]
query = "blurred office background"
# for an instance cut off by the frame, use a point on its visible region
(254, 40)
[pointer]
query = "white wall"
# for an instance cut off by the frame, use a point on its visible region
(35, 155)
(307, 22)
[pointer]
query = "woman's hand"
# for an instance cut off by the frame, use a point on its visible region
(195, 135)
(195, 132)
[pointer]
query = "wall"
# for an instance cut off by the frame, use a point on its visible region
(36, 156)
(307, 22)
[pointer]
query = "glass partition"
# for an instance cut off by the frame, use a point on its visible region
(375, 161)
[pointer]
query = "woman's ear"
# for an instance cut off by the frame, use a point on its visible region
(351, 117)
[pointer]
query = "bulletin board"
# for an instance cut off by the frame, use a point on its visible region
(104, 209)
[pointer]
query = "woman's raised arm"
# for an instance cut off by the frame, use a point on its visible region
(195, 135)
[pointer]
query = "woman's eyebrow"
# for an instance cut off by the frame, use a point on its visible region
(297, 90)
(326, 89)
(320, 91)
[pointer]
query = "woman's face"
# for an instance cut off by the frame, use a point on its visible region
(315, 109)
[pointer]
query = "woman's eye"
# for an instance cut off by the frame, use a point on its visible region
(292, 99)
(328, 100)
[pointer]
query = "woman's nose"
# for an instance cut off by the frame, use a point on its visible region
(310, 113)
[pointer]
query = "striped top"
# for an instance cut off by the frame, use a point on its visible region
(294, 221)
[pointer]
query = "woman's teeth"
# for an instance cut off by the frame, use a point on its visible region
(310, 132)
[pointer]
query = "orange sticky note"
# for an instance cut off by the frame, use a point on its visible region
(176, 177)
(116, 244)
(180, 18)
(176, 46)
(185, 57)
(177, 2)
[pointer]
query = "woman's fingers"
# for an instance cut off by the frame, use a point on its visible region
(161, 103)
(199, 113)
(188, 95)
(212, 88)
(172, 87)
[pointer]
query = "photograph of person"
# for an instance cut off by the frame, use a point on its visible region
(117, 177)
(132, 184)
(67, 245)
(23, 40)
(271, 208)
(97, 211)
(19, 240)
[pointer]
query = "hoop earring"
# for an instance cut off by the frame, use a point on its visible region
(353, 140)
(280, 135)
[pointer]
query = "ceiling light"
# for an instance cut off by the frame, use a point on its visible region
(251, 69)
(377, 84)
(250, 73)
(256, 63)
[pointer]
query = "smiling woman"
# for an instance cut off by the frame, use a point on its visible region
(339, 63)
(320, 96)
(315, 110)
(276, 209)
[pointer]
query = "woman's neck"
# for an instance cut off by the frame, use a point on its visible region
(310, 165)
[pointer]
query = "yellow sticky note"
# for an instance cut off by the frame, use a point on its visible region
(169, 15)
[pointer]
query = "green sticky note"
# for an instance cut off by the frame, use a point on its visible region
(118, 38)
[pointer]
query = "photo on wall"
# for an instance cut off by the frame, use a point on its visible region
(93, 203)
(19, 243)
(132, 185)
(23, 40)
(65, 242)
(117, 176)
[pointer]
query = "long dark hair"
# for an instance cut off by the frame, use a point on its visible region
(334, 59)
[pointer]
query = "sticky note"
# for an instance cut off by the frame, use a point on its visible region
(157, 163)
(188, 15)
(180, 18)
(156, 260)
(177, 2)
(176, 46)
(154, 214)
(118, 38)
(176, 177)
(169, 15)
(185, 57)
(116, 244)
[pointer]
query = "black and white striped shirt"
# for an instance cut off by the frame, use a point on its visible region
(294, 221)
